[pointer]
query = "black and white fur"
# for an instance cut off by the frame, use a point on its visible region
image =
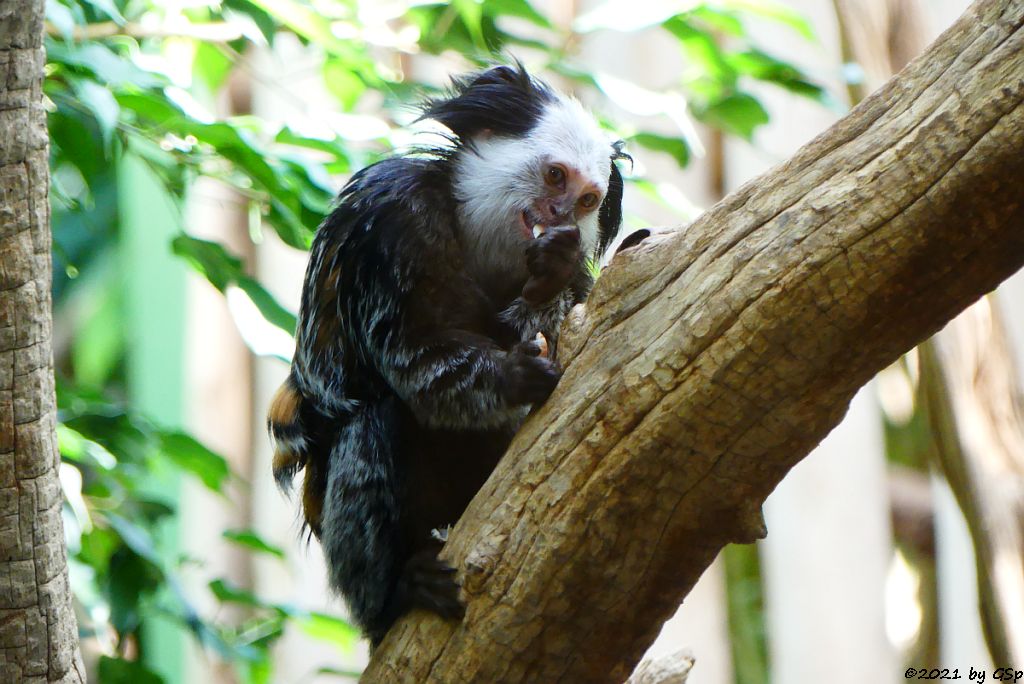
(415, 363)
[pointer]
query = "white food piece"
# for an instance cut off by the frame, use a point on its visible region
(538, 230)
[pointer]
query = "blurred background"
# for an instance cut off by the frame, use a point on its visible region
(195, 146)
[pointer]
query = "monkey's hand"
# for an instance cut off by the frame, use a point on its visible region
(552, 260)
(531, 378)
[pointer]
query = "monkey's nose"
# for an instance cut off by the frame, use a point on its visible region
(557, 212)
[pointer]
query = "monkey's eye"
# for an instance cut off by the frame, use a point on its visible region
(589, 200)
(555, 175)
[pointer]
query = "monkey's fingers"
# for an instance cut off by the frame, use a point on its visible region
(530, 379)
(541, 289)
(551, 261)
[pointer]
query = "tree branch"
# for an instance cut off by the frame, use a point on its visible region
(214, 32)
(710, 360)
(972, 400)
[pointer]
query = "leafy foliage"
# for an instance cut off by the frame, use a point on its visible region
(142, 79)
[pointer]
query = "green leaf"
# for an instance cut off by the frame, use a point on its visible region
(189, 454)
(76, 447)
(97, 547)
(121, 671)
(332, 146)
(676, 147)
(764, 67)
(331, 629)
(702, 52)
(265, 23)
(342, 83)
(223, 270)
(337, 672)
(625, 15)
(108, 66)
(739, 114)
(101, 103)
(268, 306)
(289, 216)
(98, 344)
(108, 8)
(251, 540)
(151, 107)
(311, 177)
(130, 579)
(229, 594)
(307, 23)
(517, 8)
(211, 66)
(471, 14)
(721, 20)
(76, 138)
(775, 11)
(136, 538)
(210, 259)
(61, 17)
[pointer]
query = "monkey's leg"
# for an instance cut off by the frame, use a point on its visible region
(368, 558)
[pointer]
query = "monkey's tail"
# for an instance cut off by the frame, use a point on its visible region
(284, 423)
(296, 449)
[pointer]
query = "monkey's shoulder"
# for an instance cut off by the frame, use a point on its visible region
(398, 211)
(402, 188)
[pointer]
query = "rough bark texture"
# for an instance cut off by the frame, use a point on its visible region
(710, 360)
(973, 402)
(38, 634)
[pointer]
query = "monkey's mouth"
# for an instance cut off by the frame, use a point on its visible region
(531, 228)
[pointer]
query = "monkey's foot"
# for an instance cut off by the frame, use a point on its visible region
(430, 584)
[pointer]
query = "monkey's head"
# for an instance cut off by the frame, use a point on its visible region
(526, 156)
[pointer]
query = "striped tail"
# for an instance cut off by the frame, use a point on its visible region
(295, 450)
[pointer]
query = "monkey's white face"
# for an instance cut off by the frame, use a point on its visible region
(557, 174)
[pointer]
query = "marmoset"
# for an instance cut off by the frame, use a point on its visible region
(415, 358)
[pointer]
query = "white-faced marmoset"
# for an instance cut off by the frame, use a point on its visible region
(415, 361)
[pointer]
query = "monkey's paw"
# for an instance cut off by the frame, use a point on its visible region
(530, 378)
(432, 586)
(551, 260)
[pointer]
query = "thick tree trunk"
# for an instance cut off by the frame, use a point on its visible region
(38, 634)
(710, 360)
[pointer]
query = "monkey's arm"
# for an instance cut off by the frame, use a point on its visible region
(456, 379)
(426, 331)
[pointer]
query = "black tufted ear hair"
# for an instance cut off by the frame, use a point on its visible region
(609, 216)
(504, 100)
(498, 75)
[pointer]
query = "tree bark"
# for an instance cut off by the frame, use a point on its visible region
(38, 633)
(709, 360)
